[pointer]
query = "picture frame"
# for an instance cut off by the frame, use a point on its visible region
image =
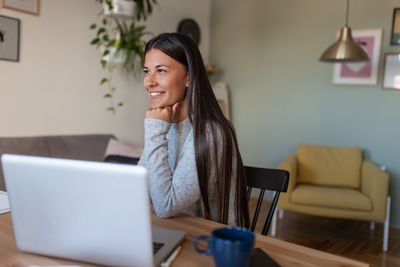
(391, 71)
(9, 38)
(361, 73)
(26, 6)
(395, 35)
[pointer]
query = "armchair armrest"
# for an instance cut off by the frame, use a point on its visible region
(375, 184)
(290, 164)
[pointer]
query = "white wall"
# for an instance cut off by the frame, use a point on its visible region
(54, 88)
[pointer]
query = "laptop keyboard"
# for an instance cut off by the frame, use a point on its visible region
(157, 246)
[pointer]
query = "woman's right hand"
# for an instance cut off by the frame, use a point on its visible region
(166, 113)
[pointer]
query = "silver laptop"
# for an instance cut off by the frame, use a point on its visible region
(87, 211)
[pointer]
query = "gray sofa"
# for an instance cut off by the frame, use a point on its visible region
(83, 147)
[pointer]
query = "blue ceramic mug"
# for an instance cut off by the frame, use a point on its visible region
(229, 246)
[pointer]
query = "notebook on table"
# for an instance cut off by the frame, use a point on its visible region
(87, 211)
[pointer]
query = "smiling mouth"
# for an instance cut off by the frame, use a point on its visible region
(156, 93)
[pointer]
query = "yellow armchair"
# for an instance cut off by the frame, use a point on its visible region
(336, 182)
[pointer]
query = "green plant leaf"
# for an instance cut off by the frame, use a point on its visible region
(120, 104)
(110, 43)
(95, 41)
(140, 11)
(106, 52)
(100, 31)
(112, 89)
(107, 96)
(103, 63)
(104, 21)
(118, 44)
(93, 26)
(111, 109)
(103, 81)
(149, 8)
(110, 5)
(105, 38)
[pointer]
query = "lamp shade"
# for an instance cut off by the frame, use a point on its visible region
(344, 49)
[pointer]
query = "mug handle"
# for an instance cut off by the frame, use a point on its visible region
(197, 239)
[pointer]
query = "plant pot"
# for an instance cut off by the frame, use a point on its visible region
(115, 56)
(121, 8)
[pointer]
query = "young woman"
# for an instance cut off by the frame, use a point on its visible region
(190, 149)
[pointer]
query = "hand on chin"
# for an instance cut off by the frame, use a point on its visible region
(165, 113)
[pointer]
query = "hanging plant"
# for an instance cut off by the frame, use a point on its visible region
(121, 41)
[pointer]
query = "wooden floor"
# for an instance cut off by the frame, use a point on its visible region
(348, 238)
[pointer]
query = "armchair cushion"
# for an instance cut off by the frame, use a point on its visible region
(330, 166)
(331, 197)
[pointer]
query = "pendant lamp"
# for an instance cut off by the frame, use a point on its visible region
(344, 49)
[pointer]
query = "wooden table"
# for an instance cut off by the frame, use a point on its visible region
(285, 253)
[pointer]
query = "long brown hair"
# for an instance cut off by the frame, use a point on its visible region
(205, 115)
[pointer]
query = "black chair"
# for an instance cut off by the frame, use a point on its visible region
(266, 179)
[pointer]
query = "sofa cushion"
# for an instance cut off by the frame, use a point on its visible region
(120, 152)
(331, 197)
(333, 166)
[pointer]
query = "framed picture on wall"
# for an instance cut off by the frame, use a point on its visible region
(27, 6)
(391, 71)
(395, 36)
(361, 73)
(9, 38)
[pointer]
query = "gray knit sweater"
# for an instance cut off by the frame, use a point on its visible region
(169, 157)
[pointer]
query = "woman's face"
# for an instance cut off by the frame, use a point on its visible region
(165, 79)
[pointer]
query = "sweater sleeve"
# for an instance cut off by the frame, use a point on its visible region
(171, 191)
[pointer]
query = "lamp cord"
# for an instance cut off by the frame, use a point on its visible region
(347, 12)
